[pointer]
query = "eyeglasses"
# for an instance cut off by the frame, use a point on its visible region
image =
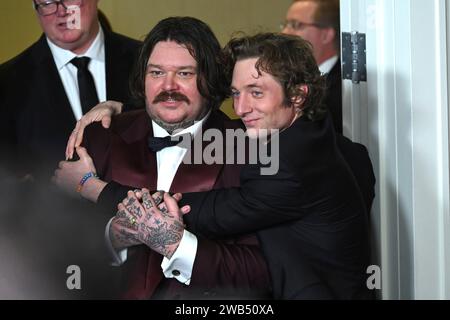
(297, 25)
(48, 8)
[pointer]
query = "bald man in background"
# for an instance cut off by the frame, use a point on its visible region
(317, 21)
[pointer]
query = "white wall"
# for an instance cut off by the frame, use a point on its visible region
(401, 114)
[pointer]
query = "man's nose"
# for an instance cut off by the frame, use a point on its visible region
(61, 10)
(170, 82)
(285, 30)
(241, 106)
(289, 30)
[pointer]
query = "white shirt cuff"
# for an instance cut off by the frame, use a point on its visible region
(182, 262)
(117, 257)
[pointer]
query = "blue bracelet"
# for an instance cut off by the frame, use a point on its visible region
(85, 178)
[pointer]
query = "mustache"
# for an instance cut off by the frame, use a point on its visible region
(171, 95)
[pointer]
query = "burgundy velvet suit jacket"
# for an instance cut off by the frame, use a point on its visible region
(232, 268)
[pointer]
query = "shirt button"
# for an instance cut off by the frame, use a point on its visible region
(176, 273)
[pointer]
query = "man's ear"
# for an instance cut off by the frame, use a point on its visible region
(298, 100)
(328, 35)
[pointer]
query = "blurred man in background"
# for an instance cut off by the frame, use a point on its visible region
(75, 64)
(317, 21)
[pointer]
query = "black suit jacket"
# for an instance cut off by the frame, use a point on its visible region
(36, 117)
(311, 216)
(357, 158)
(333, 99)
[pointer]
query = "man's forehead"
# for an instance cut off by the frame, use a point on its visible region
(245, 74)
(170, 45)
(171, 53)
(302, 8)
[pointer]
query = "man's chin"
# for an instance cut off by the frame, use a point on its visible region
(68, 39)
(172, 124)
(258, 133)
(252, 133)
(171, 120)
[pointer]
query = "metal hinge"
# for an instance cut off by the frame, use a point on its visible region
(354, 56)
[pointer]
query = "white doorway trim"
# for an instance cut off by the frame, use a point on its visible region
(401, 115)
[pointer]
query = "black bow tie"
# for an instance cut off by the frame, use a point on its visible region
(156, 144)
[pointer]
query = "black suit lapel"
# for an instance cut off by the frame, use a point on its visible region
(335, 73)
(44, 116)
(55, 104)
(193, 177)
(334, 95)
(49, 107)
(118, 64)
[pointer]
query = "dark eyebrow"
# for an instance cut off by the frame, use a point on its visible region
(249, 86)
(161, 67)
(253, 86)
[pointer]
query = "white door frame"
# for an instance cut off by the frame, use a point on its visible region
(401, 115)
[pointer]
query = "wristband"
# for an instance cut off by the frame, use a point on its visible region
(85, 178)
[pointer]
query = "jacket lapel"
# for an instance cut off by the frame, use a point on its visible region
(118, 63)
(111, 72)
(133, 164)
(55, 102)
(198, 177)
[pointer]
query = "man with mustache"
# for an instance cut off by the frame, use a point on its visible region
(171, 96)
(310, 215)
(180, 81)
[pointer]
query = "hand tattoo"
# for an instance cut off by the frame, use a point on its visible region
(149, 222)
(122, 234)
(133, 207)
(162, 236)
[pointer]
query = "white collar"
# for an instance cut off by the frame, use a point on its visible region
(327, 65)
(96, 51)
(160, 132)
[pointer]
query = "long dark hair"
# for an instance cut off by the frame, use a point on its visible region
(204, 48)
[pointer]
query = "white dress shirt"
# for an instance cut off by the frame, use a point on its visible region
(68, 72)
(168, 160)
(326, 66)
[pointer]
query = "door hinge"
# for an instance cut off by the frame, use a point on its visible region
(354, 56)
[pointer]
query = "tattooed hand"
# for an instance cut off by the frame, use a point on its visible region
(122, 232)
(123, 229)
(159, 227)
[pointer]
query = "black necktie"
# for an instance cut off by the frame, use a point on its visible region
(86, 84)
(156, 144)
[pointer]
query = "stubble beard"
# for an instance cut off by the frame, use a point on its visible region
(172, 127)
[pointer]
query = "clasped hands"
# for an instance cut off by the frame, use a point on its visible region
(154, 220)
